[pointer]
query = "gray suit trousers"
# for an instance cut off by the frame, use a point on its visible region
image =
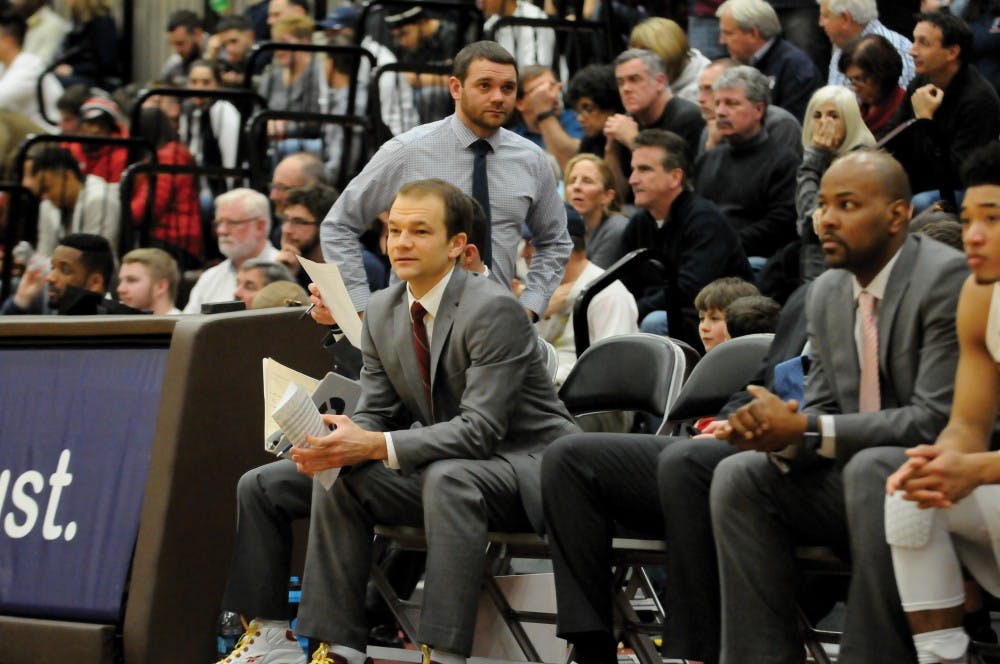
(759, 515)
(268, 499)
(456, 501)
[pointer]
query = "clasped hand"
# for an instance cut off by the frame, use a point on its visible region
(766, 424)
(934, 476)
(346, 445)
(621, 128)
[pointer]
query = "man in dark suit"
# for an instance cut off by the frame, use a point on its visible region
(486, 409)
(751, 31)
(655, 486)
(883, 351)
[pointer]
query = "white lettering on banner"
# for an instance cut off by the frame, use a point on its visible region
(25, 496)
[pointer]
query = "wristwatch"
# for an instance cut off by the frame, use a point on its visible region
(545, 115)
(812, 438)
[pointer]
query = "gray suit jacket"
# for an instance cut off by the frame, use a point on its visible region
(918, 350)
(492, 394)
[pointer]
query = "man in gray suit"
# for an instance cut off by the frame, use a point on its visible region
(454, 353)
(883, 347)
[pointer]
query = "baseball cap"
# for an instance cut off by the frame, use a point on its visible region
(398, 17)
(97, 107)
(340, 18)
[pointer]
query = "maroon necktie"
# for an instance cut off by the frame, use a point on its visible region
(422, 348)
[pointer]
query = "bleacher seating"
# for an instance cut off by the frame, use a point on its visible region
(466, 16)
(431, 102)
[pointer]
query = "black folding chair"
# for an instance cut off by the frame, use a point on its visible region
(639, 372)
(719, 375)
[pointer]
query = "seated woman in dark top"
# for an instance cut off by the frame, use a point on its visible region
(873, 66)
(295, 81)
(90, 49)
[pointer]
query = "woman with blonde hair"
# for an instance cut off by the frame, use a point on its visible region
(667, 39)
(832, 127)
(89, 52)
(590, 189)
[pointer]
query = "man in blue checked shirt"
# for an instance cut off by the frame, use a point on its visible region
(521, 183)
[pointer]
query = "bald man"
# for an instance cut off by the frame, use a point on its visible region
(883, 354)
(300, 170)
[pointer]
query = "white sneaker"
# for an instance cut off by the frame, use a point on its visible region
(266, 645)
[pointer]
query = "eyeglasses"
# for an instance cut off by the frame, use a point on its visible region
(298, 221)
(858, 80)
(230, 223)
(277, 186)
(586, 109)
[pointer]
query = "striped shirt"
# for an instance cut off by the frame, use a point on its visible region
(529, 45)
(522, 189)
(898, 41)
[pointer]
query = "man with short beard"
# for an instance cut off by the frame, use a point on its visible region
(522, 187)
(242, 221)
(80, 262)
(300, 218)
(883, 356)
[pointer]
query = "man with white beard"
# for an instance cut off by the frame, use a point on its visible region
(242, 223)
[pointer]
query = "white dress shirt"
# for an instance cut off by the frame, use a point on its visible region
(217, 284)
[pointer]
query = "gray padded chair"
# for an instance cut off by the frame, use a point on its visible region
(716, 377)
(637, 371)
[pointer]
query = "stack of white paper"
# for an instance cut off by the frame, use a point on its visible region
(298, 417)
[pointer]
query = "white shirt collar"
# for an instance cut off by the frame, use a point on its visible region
(877, 285)
(467, 137)
(761, 52)
(431, 301)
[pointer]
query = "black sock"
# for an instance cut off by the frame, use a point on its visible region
(594, 648)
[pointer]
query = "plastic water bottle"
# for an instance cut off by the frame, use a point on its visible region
(230, 631)
(294, 595)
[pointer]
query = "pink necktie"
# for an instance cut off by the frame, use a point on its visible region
(869, 399)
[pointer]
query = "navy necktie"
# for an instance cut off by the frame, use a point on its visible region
(481, 192)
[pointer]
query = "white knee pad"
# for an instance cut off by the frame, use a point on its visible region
(906, 525)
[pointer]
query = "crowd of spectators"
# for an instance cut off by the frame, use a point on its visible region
(711, 138)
